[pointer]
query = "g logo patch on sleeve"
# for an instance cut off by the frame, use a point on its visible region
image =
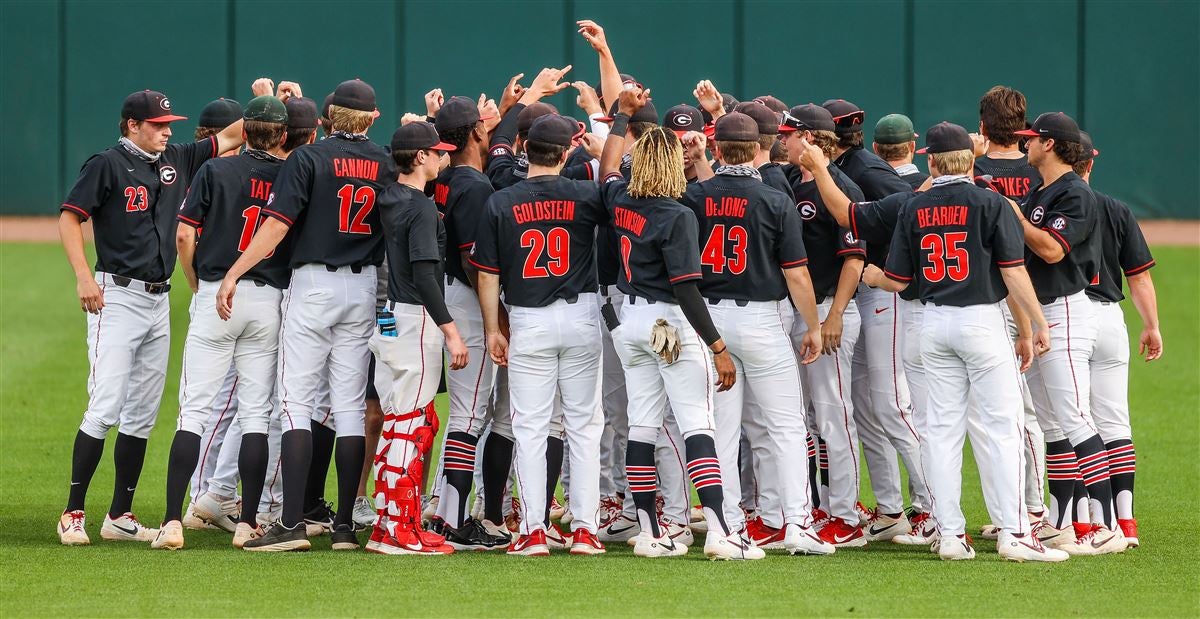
(1037, 214)
(808, 210)
(167, 174)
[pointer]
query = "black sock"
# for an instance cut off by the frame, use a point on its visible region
(185, 453)
(497, 461)
(1061, 472)
(295, 455)
(85, 457)
(252, 468)
(458, 467)
(643, 483)
(554, 461)
(318, 472)
(129, 453)
(813, 471)
(1093, 465)
(351, 450)
(705, 473)
(1122, 462)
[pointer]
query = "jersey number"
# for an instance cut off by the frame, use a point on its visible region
(556, 244)
(713, 255)
(626, 249)
(364, 196)
(947, 256)
(135, 199)
(249, 227)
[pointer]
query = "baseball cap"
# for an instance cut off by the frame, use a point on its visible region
(531, 113)
(418, 135)
(847, 116)
(807, 117)
(1089, 150)
(647, 114)
(458, 112)
(736, 127)
(767, 121)
(555, 129)
(945, 137)
(355, 94)
(325, 105)
(683, 118)
(728, 102)
(894, 129)
(302, 113)
(266, 108)
(149, 105)
(1054, 126)
(773, 103)
(220, 113)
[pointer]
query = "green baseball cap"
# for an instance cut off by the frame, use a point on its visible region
(894, 129)
(266, 108)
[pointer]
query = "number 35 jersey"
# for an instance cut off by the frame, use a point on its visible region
(225, 205)
(326, 192)
(539, 236)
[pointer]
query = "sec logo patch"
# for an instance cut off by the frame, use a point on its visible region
(496, 152)
(167, 175)
(808, 210)
(850, 240)
(1059, 223)
(1037, 214)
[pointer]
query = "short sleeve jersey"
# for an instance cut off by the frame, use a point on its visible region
(872, 174)
(413, 232)
(330, 190)
(1067, 210)
(915, 179)
(539, 237)
(657, 241)
(773, 176)
(952, 241)
(1123, 250)
(505, 168)
(826, 243)
(1014, 178)
(133, 203)
(749, 232)
(875, 223)
(461, 193)
(226, 200)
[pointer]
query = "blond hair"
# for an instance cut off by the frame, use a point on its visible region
(348, 120)
(737, 152)
(954, 161)
(893, 152)
(827, 141)
(657, 166)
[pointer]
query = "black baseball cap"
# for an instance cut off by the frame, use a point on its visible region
(1089, 149)
(302, 113)
(736, 127)
(773, 103)
(627, 81)
(458, 112)
(418, 135)
(555, 129)
(266, 108)
(647, 114)
(325, 105)
(945, 137)
(1054, 126)
(847, 116)
(531, 113)
(355, 94)
(150, 105)
(683, 118)
(807, 117)
(767, 121)
(220, 113)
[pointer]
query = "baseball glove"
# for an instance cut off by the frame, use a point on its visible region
(664, 341)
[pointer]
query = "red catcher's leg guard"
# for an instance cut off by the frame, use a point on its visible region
(399, 470)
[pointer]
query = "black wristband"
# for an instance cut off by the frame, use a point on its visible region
(717, 352)
(620, 124)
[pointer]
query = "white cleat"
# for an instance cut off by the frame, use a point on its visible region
(1099, 541)
(555, 539)
(680, 534)
(557, 509)
(1053, 537)
(170, 536)
(364, 512)
(265, 519)
(1027, 548)
(924, 533)
(799, 540)
(989, 531)
(245, 533)
(882, 527)
(193, 522)
(955, 548)
(496, 529)
(430, 508)
(71, 529)
(219, 511)
(732, 547)
(655, 547)
(621, 529)
(126, 528)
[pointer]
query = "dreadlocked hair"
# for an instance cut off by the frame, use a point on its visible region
(657, 166)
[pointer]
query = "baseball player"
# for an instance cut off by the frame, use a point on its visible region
(998, 155)
(894, 142)
(507, 161)
(752, 257)
(664, 326)
(1123, 251)
(962, 247)
(329, 191)
(1061, 223)
(409, 341)
(131, 192)
(536, 242)
(226, 199)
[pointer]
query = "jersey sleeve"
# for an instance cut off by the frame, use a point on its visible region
(468, 211)
(611, 188)
(91, 188)
(1008, 241)
(500, 165)
(1133, 253)
(423, 236)
(789, 250)
(291, 189)
(194, 154)
(1072, 218)
(900, 264)
(579, 171)
(198, 198)
(875, 221)
(485, 254)
(681, 249)
(883, 182)
(850, 245)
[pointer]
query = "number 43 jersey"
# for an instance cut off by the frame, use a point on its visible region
(539, 237)
(225, 205)
(326, 191)
(952, 241)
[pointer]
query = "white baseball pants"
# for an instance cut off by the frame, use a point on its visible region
(1110, 373)
(1060, 380)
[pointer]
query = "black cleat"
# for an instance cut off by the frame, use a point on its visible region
(319, 520)
(472, 536)
(343, 537)
(279, 538)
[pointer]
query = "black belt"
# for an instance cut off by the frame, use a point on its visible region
(821, 298)
(633, 300)
(740, 302)
(571, 300)
(258, 283)
(353, 268)
(151, 288)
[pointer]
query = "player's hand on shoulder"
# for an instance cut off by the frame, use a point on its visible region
(91, 300)
(831, 333)
(497, 346)
(225, 298)
(1150, 344)
(262, 86)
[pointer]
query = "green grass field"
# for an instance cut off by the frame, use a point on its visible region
(42, 395)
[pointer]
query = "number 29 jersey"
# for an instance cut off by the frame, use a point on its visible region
(328, 191)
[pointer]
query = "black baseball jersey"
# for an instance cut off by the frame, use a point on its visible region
(227, 199)
(461, 193)
(413, 232)
(1014, 178)
(914, 179)
(608, 256)
(539, 237)
(952, 241)
(1123, 249)
(132, 204)
(826, 243)
(871, 173)
(875, 223)
(773, 175)
(329, 190)
(1067, 210)
(657, 241)
(748, 233)
(505, 168)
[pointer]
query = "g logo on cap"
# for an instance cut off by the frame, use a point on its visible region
(1036, 214)
(681, 120)
(1059, 223)
(165, 104)
(808, 210)
(167, 174)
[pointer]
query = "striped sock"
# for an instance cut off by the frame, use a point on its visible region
(705, 473)
(1061, 471)
(813, 472)
(642, 478)
(1093, 466)
(1122, 462)
(458, 469)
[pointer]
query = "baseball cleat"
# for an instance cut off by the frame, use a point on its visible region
(680, 534)
(412, 544)
(763, 535)
(1100, 540)
(882, 527)
(531, 545)
(496, 529)
(1129, 530)
(194, 522)
(1028, 548)
(430, 509)
(989, 531)
(799, 540)
(264, 519)
(819, 519)
(279, 538)
(319, 520)
(245, 533)
(471, 536)
(1054, 537)
(556, 509)
(566, 517)
(364, 512)
(219, 511)
(512, 520)
(71, 529)
(477, 510)
(583, 542)
(170, 536)
(732, 547)
(696, 513)
(655, 547)
(622, 529)
(924, 532)
(126, 528)
(956, 548)
(842, 535)
(864, 514)
(610, 509)
(343, 537)
(555, 539)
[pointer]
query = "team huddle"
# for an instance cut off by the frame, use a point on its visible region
(739, 294)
